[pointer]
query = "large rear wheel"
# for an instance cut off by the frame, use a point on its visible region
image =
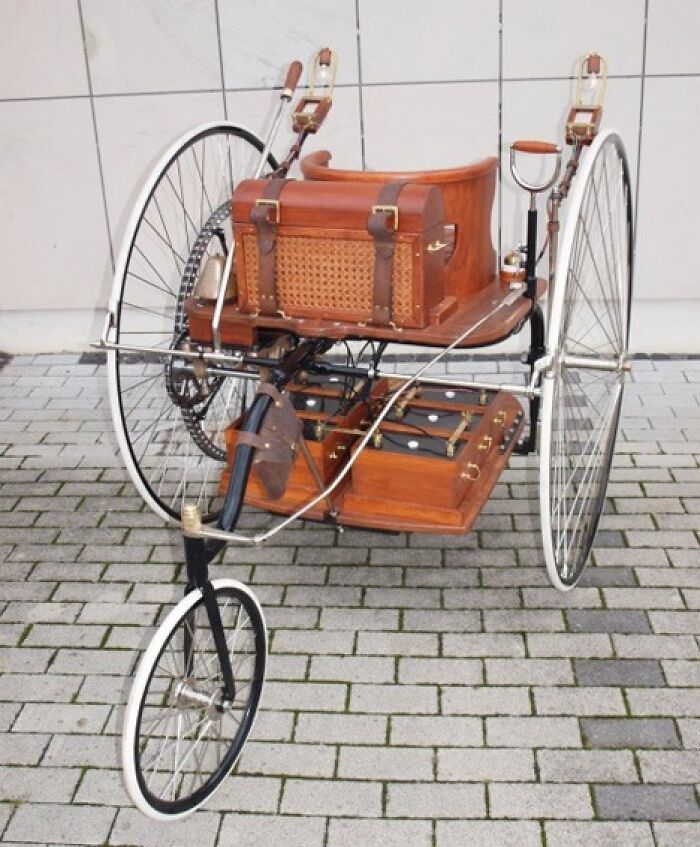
(587, 344)
(169, 417)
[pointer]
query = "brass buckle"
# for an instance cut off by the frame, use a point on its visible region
(273, 204)
(389, 210)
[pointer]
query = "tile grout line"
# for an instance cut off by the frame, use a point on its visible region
(221, 57)
(340, 85)
(96, 135)
(641, 115)
(359, 80)
(500, 133)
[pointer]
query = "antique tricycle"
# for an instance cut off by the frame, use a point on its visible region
(245, 335)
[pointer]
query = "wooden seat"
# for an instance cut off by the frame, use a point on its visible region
(468, 192)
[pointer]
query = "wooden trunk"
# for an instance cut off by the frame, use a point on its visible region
(325, 256)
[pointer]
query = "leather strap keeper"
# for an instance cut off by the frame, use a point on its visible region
(265, 214)
(381, 224)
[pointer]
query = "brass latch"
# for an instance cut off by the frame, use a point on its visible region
(435, 246)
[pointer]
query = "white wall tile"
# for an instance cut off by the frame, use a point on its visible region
(673, 29)
(415, 41)
(340, 132)
(151, 45)
(667, 233)
(538, 109)
(430, 126)
(42, 51)
(544, 38)
(53, 236)
(134, 132)
(261, 38)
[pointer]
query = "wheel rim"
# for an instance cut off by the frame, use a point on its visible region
(589, 332)
(186, 740)
(173, 450)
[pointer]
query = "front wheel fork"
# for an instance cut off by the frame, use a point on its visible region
(537, 351)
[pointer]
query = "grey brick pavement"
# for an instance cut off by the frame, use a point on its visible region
(423, 690)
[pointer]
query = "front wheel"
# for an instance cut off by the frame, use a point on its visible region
(181, 738)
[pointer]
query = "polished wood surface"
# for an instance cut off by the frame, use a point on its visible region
(399, 491)
(539, 147)
(468, 192)
(462, 315)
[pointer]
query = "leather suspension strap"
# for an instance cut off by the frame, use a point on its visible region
(265, 216)
(381, 225)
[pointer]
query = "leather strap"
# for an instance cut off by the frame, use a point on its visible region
(381, 226)
(266, 217)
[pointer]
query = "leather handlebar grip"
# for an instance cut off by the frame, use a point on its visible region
(292, 79)
(542, 147)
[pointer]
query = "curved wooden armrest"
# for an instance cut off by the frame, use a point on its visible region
(543, 147)
(313, 165)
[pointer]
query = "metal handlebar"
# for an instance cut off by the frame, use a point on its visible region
(539, 148)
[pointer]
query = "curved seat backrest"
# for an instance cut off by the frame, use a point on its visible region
(468, 193)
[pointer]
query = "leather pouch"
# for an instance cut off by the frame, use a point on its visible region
(275, 444)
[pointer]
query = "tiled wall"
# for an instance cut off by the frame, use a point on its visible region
(92, 90)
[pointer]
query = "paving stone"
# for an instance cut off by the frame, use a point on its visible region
(669, 766)
(353, 668)
(532, 732)
(529, 672)
(675, 702)
(586, 766)
(501, 833)
(437, 731)
(677, 834)
(59, 824)
(317, 696)
(570, 645)
(22, 749)
(656, 646)
(61, 717)
(646, 802)
(521, 801)
(486, 765)
(630, 732)
(399, 643)
(272, 830)
(341, 729)
(338, 798)
(484, 644)
(445, 671)
(49, 688)
(607, 620)
(430, 800)
(485, 700)
(394, 699)
(271, 759)
(397, 763)
(381, 833)
(132, 829)
(598, 834)
(578, 701)
(619, 672)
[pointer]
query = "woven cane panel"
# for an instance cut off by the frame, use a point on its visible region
(331, 274)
